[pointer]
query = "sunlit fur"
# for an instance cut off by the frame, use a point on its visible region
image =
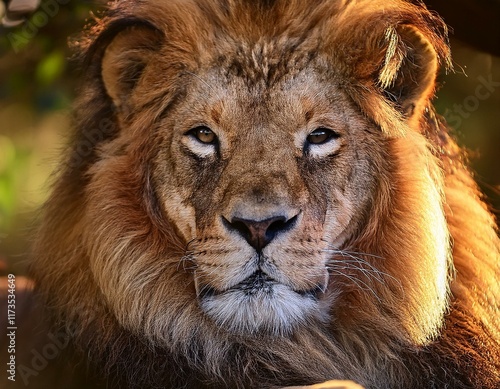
(132, 237)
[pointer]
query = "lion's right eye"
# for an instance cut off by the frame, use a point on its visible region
(203, 135)
(320, 136)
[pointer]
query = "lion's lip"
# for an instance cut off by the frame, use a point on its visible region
(259, 282)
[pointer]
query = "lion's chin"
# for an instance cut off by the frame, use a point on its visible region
(261, 305)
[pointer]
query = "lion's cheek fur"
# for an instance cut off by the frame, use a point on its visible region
(419, 247)
(129, 260)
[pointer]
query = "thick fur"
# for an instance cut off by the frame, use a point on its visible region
(389, 223)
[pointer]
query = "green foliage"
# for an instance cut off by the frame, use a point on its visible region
(50, 68)
(13, 164)
(37, 85)
(34, 56)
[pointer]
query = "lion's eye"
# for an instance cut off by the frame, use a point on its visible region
(320, 136)
(204, 135)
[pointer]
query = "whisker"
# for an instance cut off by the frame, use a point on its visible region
(353, 254)
(352, 260)
(184, 260)
(364, 254)
(357, 261)
(359, 283)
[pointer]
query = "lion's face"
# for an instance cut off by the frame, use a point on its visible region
(265, 184)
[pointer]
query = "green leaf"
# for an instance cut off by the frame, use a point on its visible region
(50, 68)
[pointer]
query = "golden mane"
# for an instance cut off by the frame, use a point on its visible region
(412, 330)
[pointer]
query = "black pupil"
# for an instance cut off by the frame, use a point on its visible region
(319, 136)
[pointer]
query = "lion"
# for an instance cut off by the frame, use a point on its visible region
(259, 194)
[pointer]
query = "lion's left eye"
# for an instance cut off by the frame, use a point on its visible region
(204, 135)
(321, 135)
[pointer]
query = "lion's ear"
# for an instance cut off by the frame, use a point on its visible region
(125, 60)
(409, 70)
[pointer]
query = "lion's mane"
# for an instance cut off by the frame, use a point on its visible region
(116, 220)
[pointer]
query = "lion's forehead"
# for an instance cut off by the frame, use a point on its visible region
(305, 90)
(268, 61)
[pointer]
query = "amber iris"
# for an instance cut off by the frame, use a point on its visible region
(204, 135)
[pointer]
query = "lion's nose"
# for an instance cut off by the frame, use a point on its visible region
(258, 233)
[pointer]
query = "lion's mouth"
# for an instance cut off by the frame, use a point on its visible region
(259, 283)
(261, 304)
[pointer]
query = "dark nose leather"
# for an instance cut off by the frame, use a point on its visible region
(258, 233)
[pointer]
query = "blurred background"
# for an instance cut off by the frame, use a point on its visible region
(38, 84)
